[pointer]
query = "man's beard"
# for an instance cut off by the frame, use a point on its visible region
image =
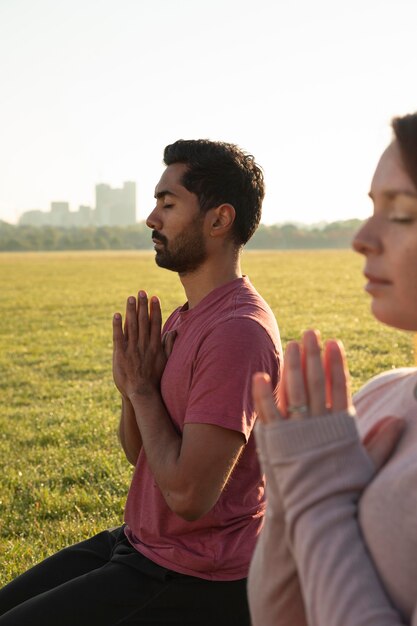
(185, 253)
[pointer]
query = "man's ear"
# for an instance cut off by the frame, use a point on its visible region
(221, 220)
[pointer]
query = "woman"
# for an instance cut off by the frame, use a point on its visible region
(339, 545)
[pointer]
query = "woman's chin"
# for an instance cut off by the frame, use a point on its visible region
(394, 316)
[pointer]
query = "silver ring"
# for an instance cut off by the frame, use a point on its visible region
(297, 408)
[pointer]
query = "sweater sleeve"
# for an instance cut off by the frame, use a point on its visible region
(274, 590)
(320, 470)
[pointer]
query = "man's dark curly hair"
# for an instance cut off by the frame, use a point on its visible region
(219, 172)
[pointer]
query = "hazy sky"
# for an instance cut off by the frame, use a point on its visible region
(92, 90)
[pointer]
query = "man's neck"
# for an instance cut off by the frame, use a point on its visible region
(198, 284)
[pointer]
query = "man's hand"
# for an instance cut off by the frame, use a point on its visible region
(139, 357)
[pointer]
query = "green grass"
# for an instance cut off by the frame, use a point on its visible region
(63, 475)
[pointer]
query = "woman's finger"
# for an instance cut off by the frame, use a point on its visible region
(295, 391)
(337, 377)
(263, 397)
(282, 391)
(314, 373)
(381, 441)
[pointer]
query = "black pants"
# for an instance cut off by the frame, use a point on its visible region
(104, 581)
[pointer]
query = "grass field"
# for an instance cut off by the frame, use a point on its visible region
(62, 473)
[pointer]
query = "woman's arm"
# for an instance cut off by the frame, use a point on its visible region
(320, 470)
(273, 586)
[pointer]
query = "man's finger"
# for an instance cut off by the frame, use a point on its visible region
(143, 321)
(382, 439)
(155, 323)
(118, 336)
(131, 324)
(263, 397)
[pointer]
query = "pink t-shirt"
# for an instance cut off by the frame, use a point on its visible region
(220, 344)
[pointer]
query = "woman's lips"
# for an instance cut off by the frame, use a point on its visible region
(375, 283)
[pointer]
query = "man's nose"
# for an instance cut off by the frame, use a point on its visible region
(153, 220)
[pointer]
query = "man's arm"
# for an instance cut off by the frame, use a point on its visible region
(129, 434)
(192, 468)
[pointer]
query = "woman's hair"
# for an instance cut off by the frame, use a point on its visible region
(405, 132)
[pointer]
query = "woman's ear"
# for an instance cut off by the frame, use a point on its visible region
(222, 219)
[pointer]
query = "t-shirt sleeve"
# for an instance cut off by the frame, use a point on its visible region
(220, 392)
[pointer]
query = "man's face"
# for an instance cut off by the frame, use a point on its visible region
(177, 224)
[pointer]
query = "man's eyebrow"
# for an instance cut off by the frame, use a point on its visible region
(393, 194)
(165, 192)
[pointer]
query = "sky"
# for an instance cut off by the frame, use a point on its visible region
(92, 90)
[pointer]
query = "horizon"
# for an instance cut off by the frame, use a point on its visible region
(298, 224)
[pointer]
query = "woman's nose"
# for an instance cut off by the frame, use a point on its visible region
(367, 238)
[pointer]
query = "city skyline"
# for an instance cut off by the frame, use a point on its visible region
(113, 207)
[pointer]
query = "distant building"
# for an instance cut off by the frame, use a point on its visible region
(33, 218)
(59, 214)
(84, 216)
(114, 207)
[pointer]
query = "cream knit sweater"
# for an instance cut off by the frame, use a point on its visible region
(339, 544)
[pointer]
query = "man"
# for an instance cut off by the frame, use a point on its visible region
(195, 505)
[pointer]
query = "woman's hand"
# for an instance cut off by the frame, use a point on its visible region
(311, 384)
(315, 384)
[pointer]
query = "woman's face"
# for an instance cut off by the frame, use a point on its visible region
(388, 240)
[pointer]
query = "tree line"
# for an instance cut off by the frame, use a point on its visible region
(279, 237)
